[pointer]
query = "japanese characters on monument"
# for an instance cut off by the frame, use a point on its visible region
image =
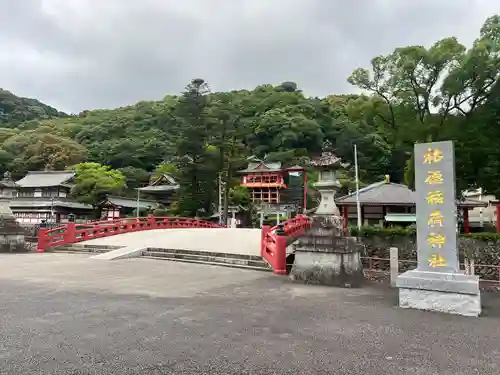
(436, 207)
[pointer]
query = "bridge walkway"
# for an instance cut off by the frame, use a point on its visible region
(216, 240)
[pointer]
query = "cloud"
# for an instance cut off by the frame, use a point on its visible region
(79, 54)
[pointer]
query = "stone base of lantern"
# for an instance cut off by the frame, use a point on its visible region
(328, 268)
(12, 235)
(452, 293)
(324, 255)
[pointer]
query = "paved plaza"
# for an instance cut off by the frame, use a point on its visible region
(70, 314)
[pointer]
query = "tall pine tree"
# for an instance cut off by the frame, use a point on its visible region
(195, 161)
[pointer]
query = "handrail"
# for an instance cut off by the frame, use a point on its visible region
(274, 241)
(72, 233)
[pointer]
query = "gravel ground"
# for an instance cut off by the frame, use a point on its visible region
(68, 314)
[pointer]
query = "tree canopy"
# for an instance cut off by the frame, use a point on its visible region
(94, 181)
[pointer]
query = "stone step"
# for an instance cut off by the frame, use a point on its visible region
(82, 249)
(206, 259)
(207, 253)
(75, 252)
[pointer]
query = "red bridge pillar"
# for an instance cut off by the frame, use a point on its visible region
(264, 231)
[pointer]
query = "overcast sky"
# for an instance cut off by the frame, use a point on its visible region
(85, 54)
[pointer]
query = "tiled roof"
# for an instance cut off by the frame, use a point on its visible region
(262, 167)
(130, 202)
(389, 193)
(7, 183)
(164, 182)
(158, 188)
(47, 203)
(164, 179)
(381, 192)
(45, 178)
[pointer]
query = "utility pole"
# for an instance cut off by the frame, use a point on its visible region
(358, 206)
(138, 204)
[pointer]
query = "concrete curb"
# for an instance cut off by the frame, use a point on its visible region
(123, 253)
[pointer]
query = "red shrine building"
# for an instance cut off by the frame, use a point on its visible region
(269, 182)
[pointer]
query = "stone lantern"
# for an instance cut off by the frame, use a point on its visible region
(12, 236)
(325, 254)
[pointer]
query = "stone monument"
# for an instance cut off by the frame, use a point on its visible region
(325, 254)
(437, 284)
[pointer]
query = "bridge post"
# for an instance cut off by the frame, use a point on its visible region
(70, 233)
(43, 240)
(264, 231)
(152, 221)
(280, 256)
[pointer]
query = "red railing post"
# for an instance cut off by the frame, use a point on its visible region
(280, 256)
(70, 233)
(152, 221)
(43, 240)
(264, 231)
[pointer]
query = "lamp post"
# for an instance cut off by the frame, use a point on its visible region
(138, 203)
(52, 210)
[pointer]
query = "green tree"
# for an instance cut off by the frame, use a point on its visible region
(196, 165)
(31, 150)
(135, 177)
(93, 181)
(166, 167)
(427, 94)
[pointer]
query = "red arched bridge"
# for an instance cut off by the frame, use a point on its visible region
(273, 243)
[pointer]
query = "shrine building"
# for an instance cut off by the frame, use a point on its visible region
(269, 183)
(386, 203)
(44, 195)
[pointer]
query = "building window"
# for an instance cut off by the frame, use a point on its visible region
(49, 193)
(266, 179)
(25, 193)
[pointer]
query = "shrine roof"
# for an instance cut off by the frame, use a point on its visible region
(391, 194)
(129, 202)
(158, 188)
(255, 167)
(47, 203)
(386, 193)
(7, 183)
(164, 182)
(45, 179)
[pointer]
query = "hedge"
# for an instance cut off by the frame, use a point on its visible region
(399, 232)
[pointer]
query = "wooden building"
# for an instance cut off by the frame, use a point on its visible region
(387, 203)
(271, 184)
(265, 181)
(161, 189)
(44, 195)
(115, 207)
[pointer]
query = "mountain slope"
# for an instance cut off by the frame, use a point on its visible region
(15, 109)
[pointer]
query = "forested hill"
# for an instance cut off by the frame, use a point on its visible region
(15, 109)
(414, 94)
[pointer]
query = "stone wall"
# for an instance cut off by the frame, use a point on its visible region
(484, 251)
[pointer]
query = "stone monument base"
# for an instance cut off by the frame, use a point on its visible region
(452, 293)
(328, 268)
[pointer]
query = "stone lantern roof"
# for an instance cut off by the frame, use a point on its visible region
(328, 160)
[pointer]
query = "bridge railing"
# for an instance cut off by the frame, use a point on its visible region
(274, 241)
(72, 233)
